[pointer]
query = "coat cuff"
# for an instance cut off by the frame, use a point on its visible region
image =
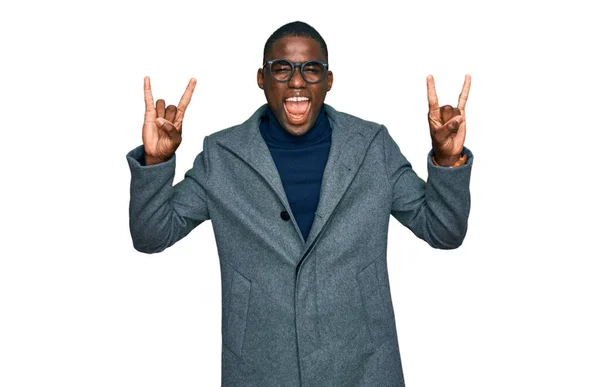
(142, 173)
(466, 159)
(452, 177)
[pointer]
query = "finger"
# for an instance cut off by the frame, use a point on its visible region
(448, 128)
(148, 95)
(185, 99)
(170, 113)
(446, 113)
(431, 94)
(167, 126)
(160, 108)
(178, 125)
(464, 94)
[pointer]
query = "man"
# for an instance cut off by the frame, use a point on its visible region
(299, 197)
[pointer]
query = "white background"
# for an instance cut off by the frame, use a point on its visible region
(516, 305)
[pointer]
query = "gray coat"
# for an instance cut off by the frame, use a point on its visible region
(314, 313)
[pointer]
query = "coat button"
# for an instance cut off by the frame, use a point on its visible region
(285, 215)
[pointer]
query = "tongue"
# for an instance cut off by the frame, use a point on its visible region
(297, 108)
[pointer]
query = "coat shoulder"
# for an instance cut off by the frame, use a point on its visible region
(353, 123)
(240, 133)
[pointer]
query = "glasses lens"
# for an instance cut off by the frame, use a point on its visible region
(313, 71)
(281, 70)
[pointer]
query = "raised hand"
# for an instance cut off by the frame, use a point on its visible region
(447, 125)
(161, 133)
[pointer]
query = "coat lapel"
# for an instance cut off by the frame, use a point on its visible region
(247, 143)
(348, 148)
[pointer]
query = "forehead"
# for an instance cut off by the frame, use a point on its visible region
(296, 49)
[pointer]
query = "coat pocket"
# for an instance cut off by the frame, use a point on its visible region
(374, 289)
(237, 312)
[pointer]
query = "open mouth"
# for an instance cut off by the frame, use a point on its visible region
(297, 109)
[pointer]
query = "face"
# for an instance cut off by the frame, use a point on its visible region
(296, 117)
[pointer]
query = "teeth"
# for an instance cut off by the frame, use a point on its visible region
(297, 99)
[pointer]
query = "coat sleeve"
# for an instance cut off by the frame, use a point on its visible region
(436, 211)
(160, 214)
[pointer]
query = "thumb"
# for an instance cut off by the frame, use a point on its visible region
(455, 123)
(166, 126)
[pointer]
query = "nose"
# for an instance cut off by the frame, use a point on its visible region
(296, 81)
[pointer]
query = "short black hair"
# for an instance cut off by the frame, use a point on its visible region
(296, 28)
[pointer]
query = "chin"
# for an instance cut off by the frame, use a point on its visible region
(297, 131)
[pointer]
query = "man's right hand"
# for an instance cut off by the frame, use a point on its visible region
(161, 133)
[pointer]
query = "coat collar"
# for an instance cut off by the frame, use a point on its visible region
(348, 147)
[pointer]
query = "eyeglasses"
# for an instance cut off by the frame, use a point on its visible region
(283, 70)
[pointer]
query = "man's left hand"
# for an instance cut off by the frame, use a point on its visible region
(447, 125)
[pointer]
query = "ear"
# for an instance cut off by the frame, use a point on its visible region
(260, 78)
(329, 80)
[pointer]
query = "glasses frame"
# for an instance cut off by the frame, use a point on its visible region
(294, 65)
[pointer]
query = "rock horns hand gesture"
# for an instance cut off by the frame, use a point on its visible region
(161, 133)
(447, 125)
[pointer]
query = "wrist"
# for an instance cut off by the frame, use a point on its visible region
(450, 162)
(153, 160)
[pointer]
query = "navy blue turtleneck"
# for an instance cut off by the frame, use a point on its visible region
(300, 161)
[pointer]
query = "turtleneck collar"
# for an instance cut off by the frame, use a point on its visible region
(275, 135)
